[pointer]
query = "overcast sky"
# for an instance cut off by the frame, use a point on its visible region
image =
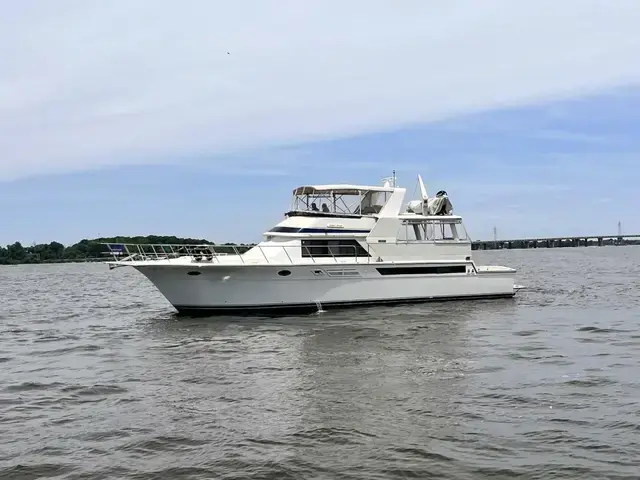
(230, 87)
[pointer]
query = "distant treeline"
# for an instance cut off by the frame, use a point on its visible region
(84, 250)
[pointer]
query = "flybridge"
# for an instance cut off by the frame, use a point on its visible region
(345, 200)
(352, 200)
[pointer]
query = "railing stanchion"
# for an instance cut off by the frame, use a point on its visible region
(309, 253)
(263, 254)
(287, 254)
(334, 257)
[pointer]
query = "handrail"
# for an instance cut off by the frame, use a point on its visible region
(206, 253)
(125, 253)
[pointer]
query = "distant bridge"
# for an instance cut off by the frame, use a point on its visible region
(557, 242)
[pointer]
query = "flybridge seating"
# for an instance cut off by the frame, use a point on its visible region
(339, 200)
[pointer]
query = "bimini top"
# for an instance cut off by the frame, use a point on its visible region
(339, 189)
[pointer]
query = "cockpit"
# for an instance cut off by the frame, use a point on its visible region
(339, 200)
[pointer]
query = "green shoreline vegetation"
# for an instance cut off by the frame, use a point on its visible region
(95, 250)
(85, 250)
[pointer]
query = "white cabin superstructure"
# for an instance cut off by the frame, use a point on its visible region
(338, 245)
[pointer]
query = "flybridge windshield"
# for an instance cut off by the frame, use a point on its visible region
(344, 202)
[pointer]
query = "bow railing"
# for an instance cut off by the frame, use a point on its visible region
(123, 253)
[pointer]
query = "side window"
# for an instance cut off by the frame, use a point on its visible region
(431, 230)
(333, 248)
(439, 231)
(314, 248)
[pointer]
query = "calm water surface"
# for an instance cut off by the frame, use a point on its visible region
(99, 379)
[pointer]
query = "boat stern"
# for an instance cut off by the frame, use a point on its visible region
(502, 274)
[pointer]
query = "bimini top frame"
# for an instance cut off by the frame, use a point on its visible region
(339, 199)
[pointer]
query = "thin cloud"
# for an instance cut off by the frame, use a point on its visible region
(87, 84)
(571, 137)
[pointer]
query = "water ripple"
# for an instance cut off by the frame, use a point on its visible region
(100, 379)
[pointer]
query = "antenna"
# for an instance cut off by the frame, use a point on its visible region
(390, 181)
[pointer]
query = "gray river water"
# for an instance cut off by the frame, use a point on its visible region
(99, 379)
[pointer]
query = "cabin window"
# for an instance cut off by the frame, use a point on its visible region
(285, 230)
(333, 248)
(432, 230)
(431, 270)
(284, 273)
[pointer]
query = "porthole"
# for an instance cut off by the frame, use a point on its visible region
(194, 273)
(284, 273)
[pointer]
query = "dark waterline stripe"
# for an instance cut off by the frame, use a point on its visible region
(294, 308)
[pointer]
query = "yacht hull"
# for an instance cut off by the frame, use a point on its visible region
(221, 289)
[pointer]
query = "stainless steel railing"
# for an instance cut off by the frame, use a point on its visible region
(130, 252)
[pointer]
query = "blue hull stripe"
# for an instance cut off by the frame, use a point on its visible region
(316, 230)
(331, 230)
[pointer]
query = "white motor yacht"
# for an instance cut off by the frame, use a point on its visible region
(338, 246)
